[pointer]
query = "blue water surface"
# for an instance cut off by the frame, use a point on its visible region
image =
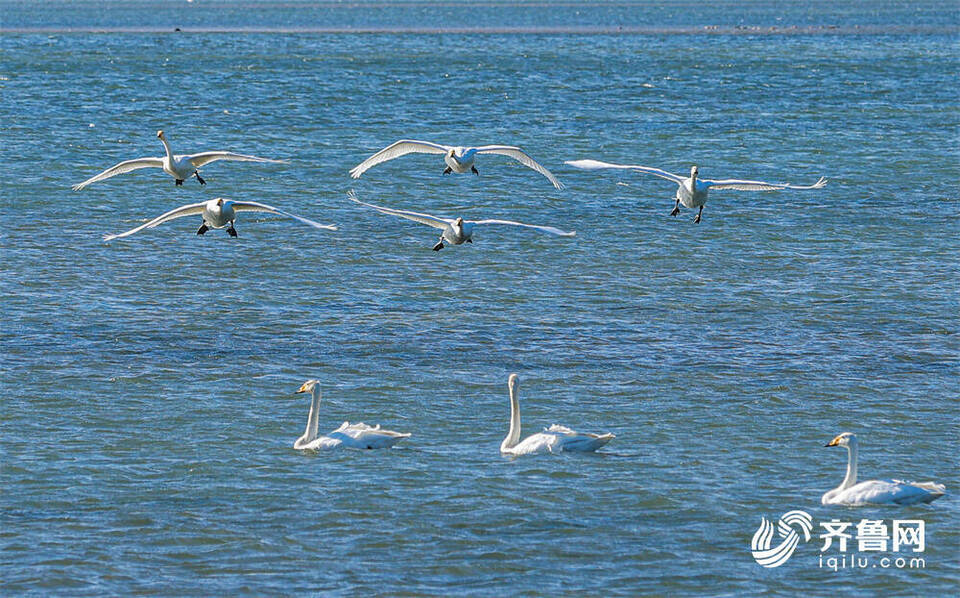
(148, 407)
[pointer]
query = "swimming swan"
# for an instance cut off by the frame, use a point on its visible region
(553, 439)
(358, 436)
(456, 231)
(876, 491)
(692, 191)
(179, 167)
(217, 213)
(458, 159)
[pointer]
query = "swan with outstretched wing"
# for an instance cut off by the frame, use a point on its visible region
(180, 167)
(459, 160)
(456, 231)
(692, 191)
(217, 213)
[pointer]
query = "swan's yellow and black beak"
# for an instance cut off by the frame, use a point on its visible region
(220, 201)
(160, 134)
(833, 442)
(459, 222)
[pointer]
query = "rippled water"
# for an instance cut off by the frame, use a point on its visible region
(148, 409)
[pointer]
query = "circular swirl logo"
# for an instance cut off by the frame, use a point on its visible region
(778, 555)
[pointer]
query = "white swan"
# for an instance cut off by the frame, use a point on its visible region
(692, 191)
(358, 436)
(553, 439)
(876, 491)
(179, 167)
(456, 231)
(217, 213)
(457, 159)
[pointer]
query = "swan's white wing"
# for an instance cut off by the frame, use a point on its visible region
(253, 206)
(743, 185)
(323, 443)
(573, 441)
(202, 158)
(931, 486)
(120, 169)
(520, 156)
(596, 164)
(397, 149)
(911, 493)
(362, 436)
(890, 492)
(187, 210)
(536, 443)
(415, 216)
(548, 229)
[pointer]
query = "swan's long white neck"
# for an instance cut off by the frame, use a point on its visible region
(313, 419)
(851, 478)
(166, 146)
(513, 436)
(693, 180)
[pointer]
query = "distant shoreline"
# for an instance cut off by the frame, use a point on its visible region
(546, 30)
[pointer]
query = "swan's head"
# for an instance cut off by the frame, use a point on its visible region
(220, 202)
(308, 386)
(694, 171)
(459, 223)
(846, 439)
(159, 134)
(513, 382)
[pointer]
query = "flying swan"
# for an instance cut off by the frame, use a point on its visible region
(692, 191)
(179, 167)
(553, 439)
(456, 231)
(876, 491)
(217, 213)
(458, 159)
(358, 436)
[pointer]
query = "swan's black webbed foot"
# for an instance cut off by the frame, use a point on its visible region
(203, 228)
(232, 231)
(474, 170)
(199, 178)
(447, 170)
(179, 182)
(676, 210)
(438, 246)
(697, 219)
(469, 240)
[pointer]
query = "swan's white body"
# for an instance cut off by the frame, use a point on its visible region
(180, 167)
(554, 439)
(357, 436)
(459, 160)
(456, 231)
(217, 213)
(876, 491)
(692, 191)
